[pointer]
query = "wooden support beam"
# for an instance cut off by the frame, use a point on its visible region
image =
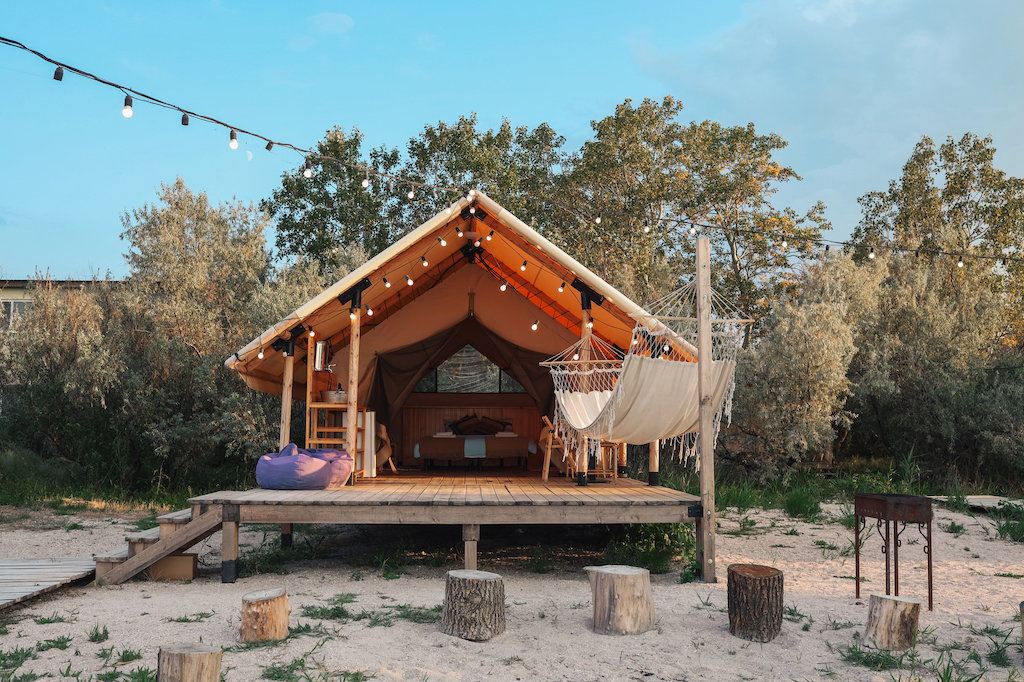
(705, 387)
(352, 431)
(654, 463)
(286, 401)
(586, 331)
(471, 536)
(286, 535)
(229, 543)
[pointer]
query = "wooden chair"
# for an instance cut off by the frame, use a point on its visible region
(552, 443)
(607, 460)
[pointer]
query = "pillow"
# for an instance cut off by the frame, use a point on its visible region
(456, 426)
(498, 424)
(481, 426)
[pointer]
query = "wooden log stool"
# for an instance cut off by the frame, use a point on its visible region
(474, 605)
(755, 601)
(892, 622)
(623, 602)
(264, 616)
(189, 663)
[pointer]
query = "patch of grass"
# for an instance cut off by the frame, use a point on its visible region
(832, 624)
(73, 526)
(851, 577)
(300, 630)
(194, 618)
(793, 531)
(12, 660)
(825, 547)
(146, 523)
(141, 675)
(379, 618)
(802, 503)
(419, 614)
(957, 529)
(105, 654)
(1009, 520)
(1018, 576)
(540, 560)
(335, 611)
(130, 655)
(54, 618)
(97, 635)
(61, 643)
(791, 614)
(109, 676)
(691, 570)
(870, 658)
(356, 576)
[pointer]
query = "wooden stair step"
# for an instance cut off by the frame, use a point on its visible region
(144, 536)
(183, 516)
(114, 556)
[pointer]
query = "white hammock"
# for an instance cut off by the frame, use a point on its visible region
(649, 393)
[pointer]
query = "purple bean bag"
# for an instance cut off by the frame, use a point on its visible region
(295, 469)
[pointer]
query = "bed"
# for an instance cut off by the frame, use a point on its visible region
(470, 449)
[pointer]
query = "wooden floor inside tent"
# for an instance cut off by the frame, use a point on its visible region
(449, 496)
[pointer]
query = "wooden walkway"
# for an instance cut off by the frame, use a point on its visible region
(21, 579)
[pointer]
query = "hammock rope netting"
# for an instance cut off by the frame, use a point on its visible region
(648, 392)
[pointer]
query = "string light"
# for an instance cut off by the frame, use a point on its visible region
(872, 254)
(184, 119)
(472, 209)
(590, 324)
(598, 219)
(308, 173)
(459, 232)
(490, 236)
(476, 243)
(387, 284)
(408, 280)
(523, 266)
(471, 193)
(423, 259)
(260, 354)
(535, 324)
(960, 263)
(412, 192)
(369, 310)
(693, 230)
(647, 225)
(58, 75)
(561, 287)
(234, 140)
(366, 180)
(270, 145)
(575, 356)
(351, 313)
(312, 333)
(442, 240)
(504, 285)
(785, 244)
(127, 111)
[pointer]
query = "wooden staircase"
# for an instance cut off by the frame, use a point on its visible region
(160, 549)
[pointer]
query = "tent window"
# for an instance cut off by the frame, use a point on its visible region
(468, 371)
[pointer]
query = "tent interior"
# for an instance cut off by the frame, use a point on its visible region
(452, 320)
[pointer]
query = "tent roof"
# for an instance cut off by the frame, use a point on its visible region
(418, 310)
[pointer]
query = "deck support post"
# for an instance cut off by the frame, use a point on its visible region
(286, 401)
(654, 463)
(471, 536)
(230, 515)
(286, 536)
(707, 410)
(352, 430)
(586, 329)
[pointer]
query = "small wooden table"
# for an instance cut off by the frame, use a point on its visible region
(892, 509)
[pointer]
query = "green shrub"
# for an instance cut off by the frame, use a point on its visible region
(802, 503)
(650, 545)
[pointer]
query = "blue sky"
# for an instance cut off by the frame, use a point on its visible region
(851, 85)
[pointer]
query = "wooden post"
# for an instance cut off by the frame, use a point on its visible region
(188, 663)
(474, 605)
(892, 622)
(286, 535)
(229, 543)
(583, 454)
(264, 616)
(707, 408)
(352, 430)
(286, 401)
(471, 536)
(623, 464)
(653, 463)
(623, 602)
(755, 601)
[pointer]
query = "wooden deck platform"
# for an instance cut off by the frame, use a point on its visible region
(469, 498)
(21, 579)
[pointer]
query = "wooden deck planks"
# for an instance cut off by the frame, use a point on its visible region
(22, 579)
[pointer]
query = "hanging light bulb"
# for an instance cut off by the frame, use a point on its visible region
(366, 179)
(408, 280)
(590, 324)
(504, 285)
(369, 310)
(472, 193)
(785, 244)
(351, 313)
(523, 266)
(260, 354)
(535, 324)
(58, 75)
(312, 333)
(270, 145)
(459, 232)
(647, 225)
(598, 219)
(412, 192)
(234, 140)
(826, 248)
(448, 210)
(561, 287)
(490, 236)
(693, 230)
(308, 173)
(387, 284)
(476, 243)
(127, 111)
(872, 254)
(472, 209)
(423, 259)
(960, 263)
(337, 166)
(184, 119)
(575, 356)
(442, 240)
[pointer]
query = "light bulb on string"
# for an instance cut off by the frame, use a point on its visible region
(472, 209)
(476, 243)
(872, 254)
(233, 143)
(785, 244)
(270, 145)
(260, 354)
(523, 266)
(575, 356)
(472, 193)
(693, 230)
(308, 172)
(459, 232)
(598, 219)
(490, 236)
(184, 119)
(366, 179)
(312, 333)
(412, 192)
(504, 285)
(58, 75)
(535, 324)
(647, 225)
(408, 280)
(351, 313)
(387, 284)
(561, 287)
(443, 241)
(590, 324)
(423, 259)
(448, 210)
(960, 263)
(369, 310)
(127, 111)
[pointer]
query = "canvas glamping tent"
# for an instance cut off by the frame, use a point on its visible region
(500, 287)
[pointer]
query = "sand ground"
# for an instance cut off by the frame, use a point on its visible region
(549, 616)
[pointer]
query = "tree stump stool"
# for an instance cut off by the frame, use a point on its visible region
(892, 622)
(264, 616)
(755, 601)
(474, 605)
(623, 603)
(188, 663)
